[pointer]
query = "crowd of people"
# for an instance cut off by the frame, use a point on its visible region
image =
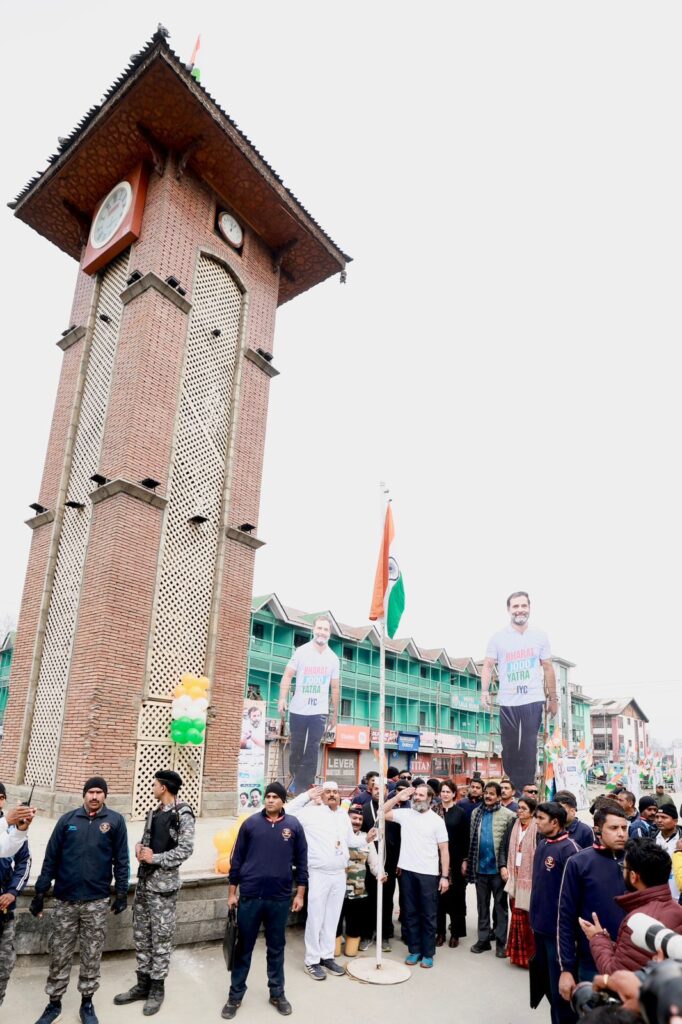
(571, 888)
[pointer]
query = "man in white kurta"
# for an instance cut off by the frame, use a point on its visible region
(329, 835)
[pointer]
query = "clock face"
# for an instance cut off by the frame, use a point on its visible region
(110, 214)
(230, 229)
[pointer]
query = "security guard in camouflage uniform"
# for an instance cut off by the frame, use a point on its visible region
(86, 847)
(167, 842)
(14, 872)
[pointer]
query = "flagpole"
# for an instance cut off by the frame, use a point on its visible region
(378, 971)
(381, 825)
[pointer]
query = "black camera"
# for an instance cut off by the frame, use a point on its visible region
(585, 998)
(661, 989)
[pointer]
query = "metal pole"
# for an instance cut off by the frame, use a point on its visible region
(381, 825)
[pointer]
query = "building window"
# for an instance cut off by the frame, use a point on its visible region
(390, 662)
(300, 639)
(258, 630)
(424, 671)
(620, 723)
(422, 718)
(347, 653)
(388, 713)
(346, 708)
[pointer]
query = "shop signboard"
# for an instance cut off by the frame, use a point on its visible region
(351, 737)
(342, 768)
(408, 741)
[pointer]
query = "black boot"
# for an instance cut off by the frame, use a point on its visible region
(154, 999)
(138, 991)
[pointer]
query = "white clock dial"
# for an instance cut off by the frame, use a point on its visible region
(230, 229)
(110, 214)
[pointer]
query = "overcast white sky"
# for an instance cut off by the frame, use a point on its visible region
(507, 178)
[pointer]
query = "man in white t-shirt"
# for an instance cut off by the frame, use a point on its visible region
(316, 669)
(526, 677)
(424, 864)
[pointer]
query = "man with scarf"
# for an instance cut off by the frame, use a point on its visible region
(486, 867)
(423, 840)
(167, 842)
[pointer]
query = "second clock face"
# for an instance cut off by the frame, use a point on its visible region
(231, 230)
(110, 214)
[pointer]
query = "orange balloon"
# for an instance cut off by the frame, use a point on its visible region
(188, 679)
(179, 691)
(224, 840)
(195, 692)
(222, 865)
(203, 682)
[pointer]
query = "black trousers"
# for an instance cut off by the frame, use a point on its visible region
(488, 886)
(386, 906)
(419, 909)
(305, 733)
(354, 915)
(546, 962)
(453, 904)
(251, 913)
(519, 733)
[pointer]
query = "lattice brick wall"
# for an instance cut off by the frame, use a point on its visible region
(187, 575)
(61, 617)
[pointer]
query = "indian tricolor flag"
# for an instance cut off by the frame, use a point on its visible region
(388, 599)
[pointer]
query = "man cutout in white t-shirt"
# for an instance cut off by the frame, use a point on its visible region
(316, 669)
(526, 676)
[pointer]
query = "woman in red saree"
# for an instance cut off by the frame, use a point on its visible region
(522, 843)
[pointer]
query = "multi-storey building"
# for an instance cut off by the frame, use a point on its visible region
(619, 729)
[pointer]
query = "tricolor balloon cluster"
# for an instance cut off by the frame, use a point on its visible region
(188, 710)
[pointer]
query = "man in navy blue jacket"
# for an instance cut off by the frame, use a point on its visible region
(552, 853)
(86, 848)
(577, 829)
(591, 882)
(14, 872)
(269, 846)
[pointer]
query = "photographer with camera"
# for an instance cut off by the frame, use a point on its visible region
(14, 872)
(645, 871)
(653, 993)
(592, 879)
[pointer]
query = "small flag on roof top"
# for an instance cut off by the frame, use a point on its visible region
(388, 599)
(194, 71)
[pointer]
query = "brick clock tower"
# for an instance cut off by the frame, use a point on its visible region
(145, 532)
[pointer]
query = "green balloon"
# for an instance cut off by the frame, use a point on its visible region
(184, 723)
(198, 723)
(194, 736)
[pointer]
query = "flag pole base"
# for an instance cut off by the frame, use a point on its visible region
(387, 973)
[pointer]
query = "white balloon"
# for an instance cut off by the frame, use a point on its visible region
(200, 705)
(176, 708)
(185, 703)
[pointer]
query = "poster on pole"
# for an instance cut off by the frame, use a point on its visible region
(658, 775)
(633, 782)
(251, 763)
(570, 774)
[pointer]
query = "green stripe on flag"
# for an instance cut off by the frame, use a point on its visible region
(396, 606)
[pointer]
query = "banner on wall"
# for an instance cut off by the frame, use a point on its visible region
(251, 763)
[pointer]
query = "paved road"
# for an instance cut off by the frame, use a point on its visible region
(461, 986)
